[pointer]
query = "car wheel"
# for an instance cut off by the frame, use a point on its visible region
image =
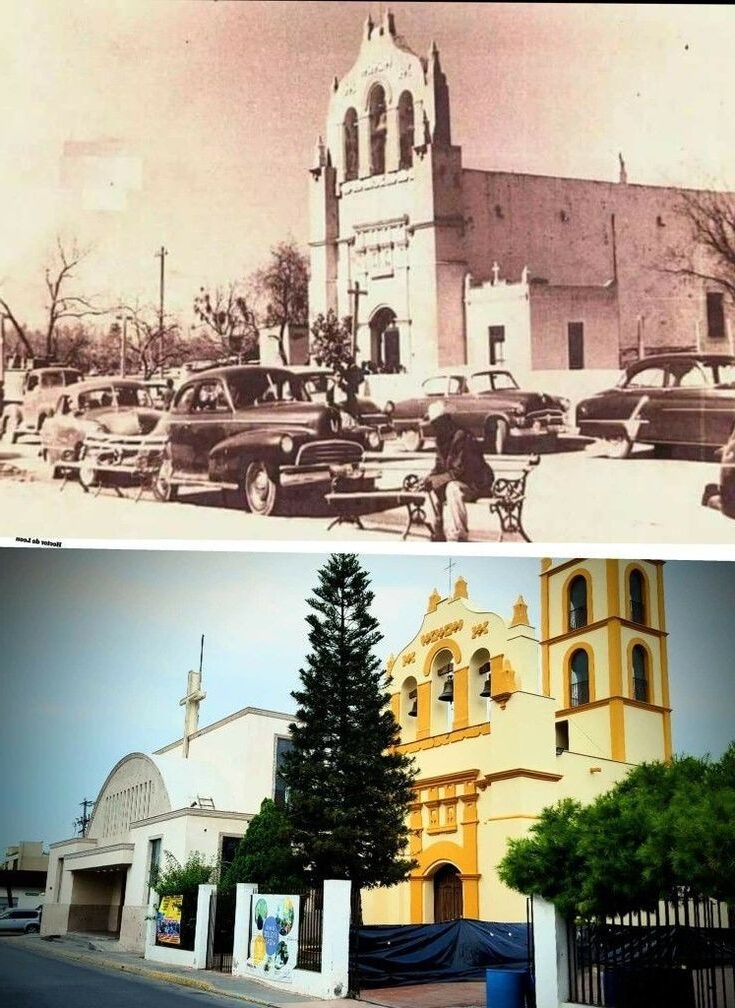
(618, 447)
(87, 473)
(260, 488)
(496, 436)
(412, 440)
(163, 488)
(32, 929)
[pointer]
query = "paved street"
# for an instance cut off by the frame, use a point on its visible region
(33, 980)
(573, 496)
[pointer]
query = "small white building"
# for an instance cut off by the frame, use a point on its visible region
(196, 794)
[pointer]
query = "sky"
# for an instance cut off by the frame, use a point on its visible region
(134, 124)
(96, 645)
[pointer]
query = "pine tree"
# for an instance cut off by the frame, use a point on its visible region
(348, 789)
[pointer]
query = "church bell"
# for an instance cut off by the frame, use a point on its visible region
(447, 694)
(413, 710)
(486, 690)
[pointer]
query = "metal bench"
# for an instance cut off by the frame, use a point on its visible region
(505, 502)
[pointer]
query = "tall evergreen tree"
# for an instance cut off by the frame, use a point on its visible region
(348, 789)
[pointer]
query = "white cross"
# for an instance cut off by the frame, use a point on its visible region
(190, 703)
(449, 568)
(496, 273)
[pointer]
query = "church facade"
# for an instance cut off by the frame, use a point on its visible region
(502, 721)
(442, 265)
(196, 794)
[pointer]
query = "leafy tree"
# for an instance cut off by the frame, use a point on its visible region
(265, 854)
(331, 341)
(176, 879)
(227, 313)
(665, 827)
(348, 787)
(284, 287)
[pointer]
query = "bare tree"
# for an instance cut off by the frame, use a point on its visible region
(152, 347)
(62, 305)
(284, 286)
(228, 314)
(711, 217)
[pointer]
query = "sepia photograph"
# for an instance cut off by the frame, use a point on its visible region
(313, 271)
(225, 744)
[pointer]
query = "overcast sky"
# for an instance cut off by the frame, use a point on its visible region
(214, 109)
(96, 646)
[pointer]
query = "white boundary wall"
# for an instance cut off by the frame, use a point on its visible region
(551, 956)
(332, 981)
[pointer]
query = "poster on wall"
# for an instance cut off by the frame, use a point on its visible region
(274, 936)
(168, 921)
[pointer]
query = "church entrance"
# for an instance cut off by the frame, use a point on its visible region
(447, 894)
(385, 343)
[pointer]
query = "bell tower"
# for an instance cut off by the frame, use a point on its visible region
(604, 657)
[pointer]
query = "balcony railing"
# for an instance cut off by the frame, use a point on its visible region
(578, 617)
(637, 612)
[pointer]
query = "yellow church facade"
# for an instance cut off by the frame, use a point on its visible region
(502, 721)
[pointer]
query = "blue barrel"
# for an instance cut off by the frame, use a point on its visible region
(504, 988)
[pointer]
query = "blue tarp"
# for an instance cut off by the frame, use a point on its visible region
(395, 955)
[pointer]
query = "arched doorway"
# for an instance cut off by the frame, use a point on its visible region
(385, 344)
(447, 894)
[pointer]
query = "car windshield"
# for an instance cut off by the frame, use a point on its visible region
(491, 381)
(725, 375)
(443, 385)
(256, 388)
(114, 396)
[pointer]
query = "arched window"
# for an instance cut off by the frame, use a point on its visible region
(636, 588)
(405, 129)
(640, 674)
(579, 679)
(352, 149)
(377, 130)
(578, 603)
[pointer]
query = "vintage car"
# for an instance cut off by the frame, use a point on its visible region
(323, 386)
(667, 400)
(256, 429)
(38, 395)
(487, 403)
(110, 413)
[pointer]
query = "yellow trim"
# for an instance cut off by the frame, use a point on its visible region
(566, 665)
(545, 624)
(613, 587)
(625, 701)
(461, 777)
(502, 775)
(395, 706)
(668, 751)
(614, 658)
(461, 698)
(423, 712)
(446, 644)
(515, 815)
(417, 900)
(650, 679)
(617, 729)
(660, 597)
(471, 731)
(603, 622)
(564, 565)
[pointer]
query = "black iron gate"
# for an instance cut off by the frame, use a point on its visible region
(681, 955)
(221, 931)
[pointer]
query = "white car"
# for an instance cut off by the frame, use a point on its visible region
(26, 921)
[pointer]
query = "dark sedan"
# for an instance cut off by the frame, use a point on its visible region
(667, 400)
(256, 430)
(489, 404)
(119, 407)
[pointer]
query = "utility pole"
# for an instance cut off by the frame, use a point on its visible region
(124, 341)
(83, 821)
(162, 256)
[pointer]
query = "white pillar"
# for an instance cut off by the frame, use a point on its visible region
(150, 922)
(551, 956)
(201, 934)
(336, 937)
(243, 897)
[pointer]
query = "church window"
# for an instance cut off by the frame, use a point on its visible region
(578, 603)
(351, 142)
(579, 680)
(378, 127)
(496, 342)
(154, 862)
(406, 129)
(640, 674)
(637, 597)
(575, 334)
(228, 850)
(715, 315)
(562, 737)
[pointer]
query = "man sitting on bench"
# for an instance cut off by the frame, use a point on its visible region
(460, 474)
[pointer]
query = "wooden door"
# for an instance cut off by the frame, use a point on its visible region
(447, 894)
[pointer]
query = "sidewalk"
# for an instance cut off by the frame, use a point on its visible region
(104, 953)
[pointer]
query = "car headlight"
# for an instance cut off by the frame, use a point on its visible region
(286, 444)
(519, 409)
(373, 439)
(564, 403)
(348, 421)
(390, 407)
